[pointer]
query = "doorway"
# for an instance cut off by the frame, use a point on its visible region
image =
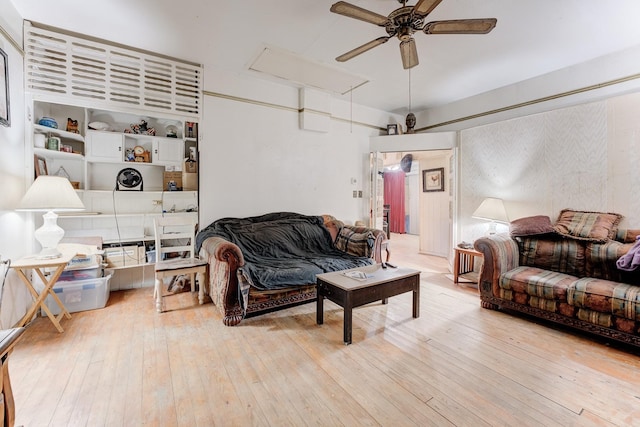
(426, 214)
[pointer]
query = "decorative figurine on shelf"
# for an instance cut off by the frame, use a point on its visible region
(129, 156)
(411, 122)
(72, 125)
(172, 131)
(48, 122)
(191, 129)
(141, 129)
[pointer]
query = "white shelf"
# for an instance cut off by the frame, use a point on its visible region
(128, 164)
(58, 132)
(53, 154)
(145, 192)
(121, 215)
(129, 239)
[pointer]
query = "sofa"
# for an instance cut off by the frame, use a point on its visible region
(270, 262)
(581, 271)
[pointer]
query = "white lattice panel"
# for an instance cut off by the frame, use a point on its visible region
(105, 75)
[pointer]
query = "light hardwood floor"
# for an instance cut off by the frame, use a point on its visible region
(458, 364)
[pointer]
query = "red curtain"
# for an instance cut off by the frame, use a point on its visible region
(394, 197)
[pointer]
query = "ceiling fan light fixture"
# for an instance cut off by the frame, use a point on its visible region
(409, 54)
(404, 34)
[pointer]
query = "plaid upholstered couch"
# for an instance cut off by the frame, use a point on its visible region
(565, 272)
(235, 299)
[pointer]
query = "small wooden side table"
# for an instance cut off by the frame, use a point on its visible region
(464, 263)
(38, 266)
(8, 339)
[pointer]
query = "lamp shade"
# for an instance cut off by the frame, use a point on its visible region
(51, 193)
(491, 209)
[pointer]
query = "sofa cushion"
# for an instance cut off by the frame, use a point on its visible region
(591, 226)
(531, 226)
(601, 261)
(553, 253)
(537, 282)
(358, 244)
(605, 296)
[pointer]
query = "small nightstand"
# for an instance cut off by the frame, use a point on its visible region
(463, 264)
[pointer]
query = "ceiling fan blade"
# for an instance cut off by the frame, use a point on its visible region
(461, 26)
(409, 54)
(362, 49)
(352, 11)
(424, 7)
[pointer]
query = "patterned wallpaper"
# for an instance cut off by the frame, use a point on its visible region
(584, 157)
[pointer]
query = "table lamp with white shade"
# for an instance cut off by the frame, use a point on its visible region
(491, 209)
(50, 194)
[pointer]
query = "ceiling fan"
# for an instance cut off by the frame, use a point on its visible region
(405, 21)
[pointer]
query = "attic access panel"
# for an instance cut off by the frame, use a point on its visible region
(294, 68)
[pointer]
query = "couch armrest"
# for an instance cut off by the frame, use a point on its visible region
(379, 236)
(500, 254)
(224, 259)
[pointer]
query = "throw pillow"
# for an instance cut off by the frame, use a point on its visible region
(590, 226)
(358, 244)
(531, 226)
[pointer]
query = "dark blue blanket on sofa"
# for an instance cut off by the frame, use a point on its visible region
(282, 249)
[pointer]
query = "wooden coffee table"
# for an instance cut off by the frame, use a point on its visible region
(379, 284)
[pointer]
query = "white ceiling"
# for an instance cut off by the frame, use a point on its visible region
(531, 38)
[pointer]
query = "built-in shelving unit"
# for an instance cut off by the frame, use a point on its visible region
(137, 101)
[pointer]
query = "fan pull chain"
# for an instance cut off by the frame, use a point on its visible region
(351, 110)
(409, 89)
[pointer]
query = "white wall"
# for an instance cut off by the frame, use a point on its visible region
(15, 231)
(584, 157)
(255, 158)
(12, 150)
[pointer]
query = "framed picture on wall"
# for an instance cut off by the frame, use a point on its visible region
(4, 90)
(433, 180)
(40, 166)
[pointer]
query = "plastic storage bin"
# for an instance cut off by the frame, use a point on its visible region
(80, 295)
(81, 274)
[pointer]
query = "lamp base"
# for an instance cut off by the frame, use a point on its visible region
(492, 228)
(49, 235)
